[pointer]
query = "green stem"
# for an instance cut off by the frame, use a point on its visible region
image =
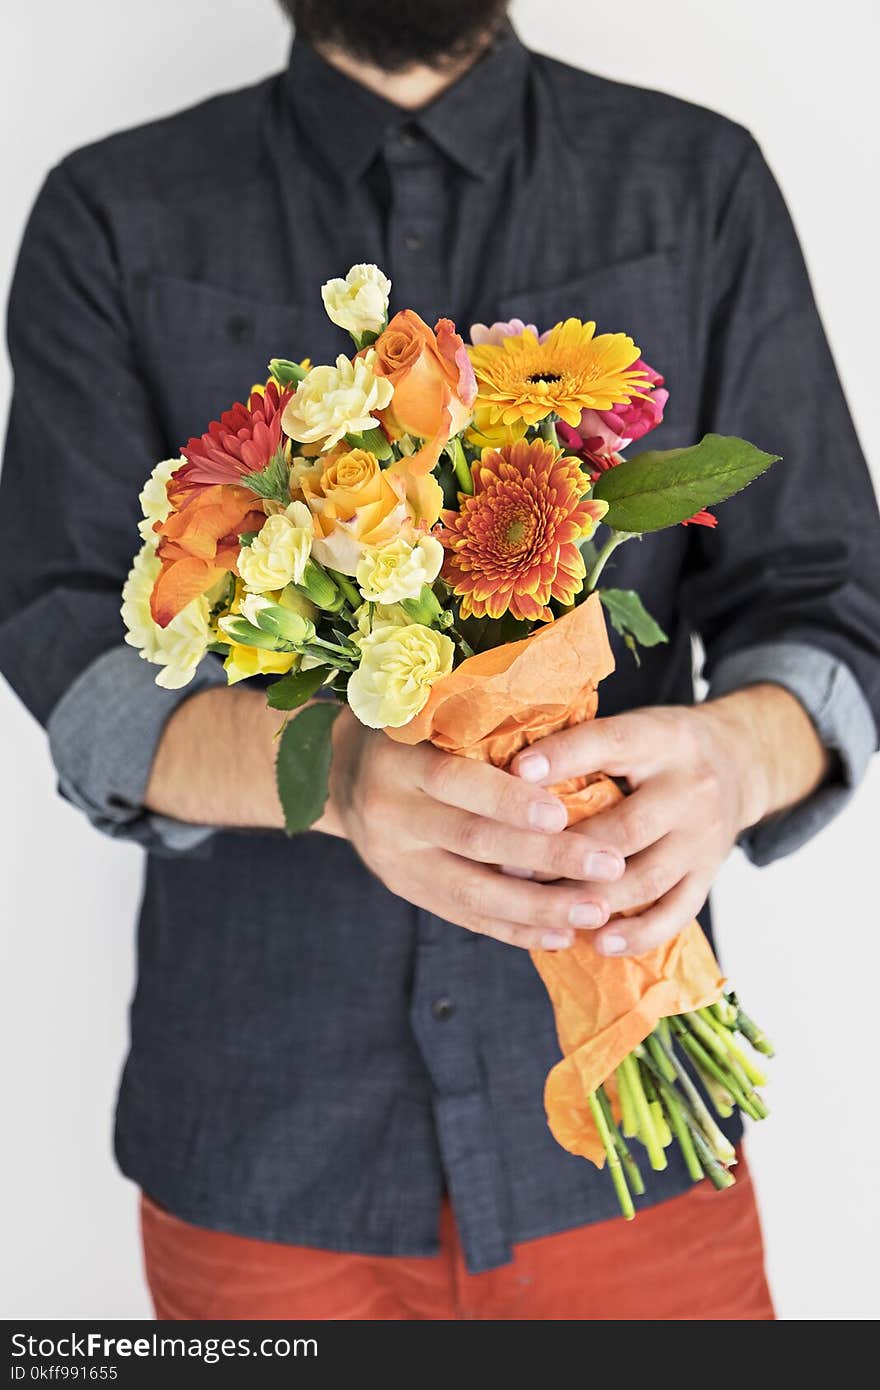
(680, 1129)
(614, 540)
(718, 1175)
(647, 1132)
(715, 1138)
(547, 430)
(633, 1175)
(615, 1167)
(749, 1029)
(463, 474)
(705, 1062)
(629, 1119)
(752, 1073)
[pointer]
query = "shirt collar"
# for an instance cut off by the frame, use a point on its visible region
(472, 122)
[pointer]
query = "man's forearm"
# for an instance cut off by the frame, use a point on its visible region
(215, 763)
(774, 743)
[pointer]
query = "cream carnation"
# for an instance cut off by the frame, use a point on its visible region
(279, 553)
(177, 648)
(397, 669)
(154, 497)
(398, 570)
(333, 401)
(359, 303)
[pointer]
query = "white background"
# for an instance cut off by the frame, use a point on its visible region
(800, 938)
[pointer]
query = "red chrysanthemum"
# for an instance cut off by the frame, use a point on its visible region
(243, 440)
(513, 545)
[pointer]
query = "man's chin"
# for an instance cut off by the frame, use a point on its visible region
(396, 35)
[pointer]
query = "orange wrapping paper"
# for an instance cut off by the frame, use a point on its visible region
(489, 708)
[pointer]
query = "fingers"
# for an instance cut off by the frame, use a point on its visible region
(566, 855)
(643, 818)
(621, 745)
(487, 791)
(531, 915)
(633, 936)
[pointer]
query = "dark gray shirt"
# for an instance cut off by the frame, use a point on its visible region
(312, 1059)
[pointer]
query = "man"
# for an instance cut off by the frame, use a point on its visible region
(333, 1098)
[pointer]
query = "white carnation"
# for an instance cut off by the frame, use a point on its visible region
(359, 303)
(398, 570)
(177, 648)
(334, 401)
(154, 497)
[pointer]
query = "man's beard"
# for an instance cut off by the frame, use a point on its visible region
(399, 34)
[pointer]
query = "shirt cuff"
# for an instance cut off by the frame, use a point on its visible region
(103, 734)
(833, 698)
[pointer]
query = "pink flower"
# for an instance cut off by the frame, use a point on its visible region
(482, 335)
(610, 431)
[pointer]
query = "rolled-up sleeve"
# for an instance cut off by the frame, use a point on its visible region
(83, 435)
(103, 734)
(787, 588)
(832, 697)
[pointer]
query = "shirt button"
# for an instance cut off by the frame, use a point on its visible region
(413, 241)
(442, 1009)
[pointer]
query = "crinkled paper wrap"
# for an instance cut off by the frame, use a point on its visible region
(489, 708)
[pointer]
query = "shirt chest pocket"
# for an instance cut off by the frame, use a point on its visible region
(205, 347)
(639, 297)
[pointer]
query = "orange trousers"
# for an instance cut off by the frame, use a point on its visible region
(698, 1256)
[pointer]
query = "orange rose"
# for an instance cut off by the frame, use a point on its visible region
(198, 543)
(433, 380)
(354, 503)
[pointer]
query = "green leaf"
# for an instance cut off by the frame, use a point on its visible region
(294, 689)
(661, 488)
(631, 619)
(247, 538)
(273, 481)
(303, 766)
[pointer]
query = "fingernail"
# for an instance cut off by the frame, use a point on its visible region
(556, 940)
(603, 867)
(612, 945)
(532, 767)
(586, 915)
(547, 815)
(514, 872)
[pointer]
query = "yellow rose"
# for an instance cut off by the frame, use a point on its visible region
(389, 573)
(333, 401)
(177, 648)
(359, 303)
(244, 662)
(397, 669)
(154, 497)
(354, 504)
(279, 553)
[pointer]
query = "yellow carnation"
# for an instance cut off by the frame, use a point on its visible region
(278, 555)
(397, 669)
(396, 571)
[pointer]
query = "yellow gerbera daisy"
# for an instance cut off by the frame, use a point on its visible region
(570, 371)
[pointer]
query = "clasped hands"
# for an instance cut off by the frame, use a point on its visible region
(489, 849)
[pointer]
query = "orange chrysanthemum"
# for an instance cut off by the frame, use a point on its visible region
(569, 372)
(513, 546)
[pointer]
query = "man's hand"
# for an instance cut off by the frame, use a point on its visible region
(698, 777)
(435, 828)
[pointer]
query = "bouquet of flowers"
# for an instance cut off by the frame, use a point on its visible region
(412, 531)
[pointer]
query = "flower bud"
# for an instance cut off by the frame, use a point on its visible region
(317, 585)
(425, 609)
